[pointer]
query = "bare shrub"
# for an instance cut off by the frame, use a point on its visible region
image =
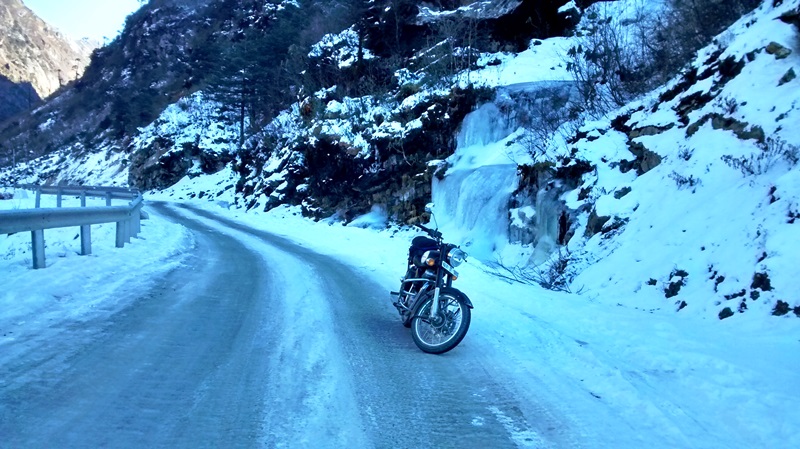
(689, 25)
(554, 274)
(619, 59)
(685, 153)
(610, 60)
(543, 114)
(451, 50)
(684, 182)
(770, 153)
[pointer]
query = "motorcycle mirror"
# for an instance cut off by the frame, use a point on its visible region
(429, 208)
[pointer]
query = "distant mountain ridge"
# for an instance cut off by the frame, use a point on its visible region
(35, 59)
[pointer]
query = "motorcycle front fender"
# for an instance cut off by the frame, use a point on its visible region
(451, 291)
(458, 294)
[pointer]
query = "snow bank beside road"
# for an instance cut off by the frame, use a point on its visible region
(74, 287)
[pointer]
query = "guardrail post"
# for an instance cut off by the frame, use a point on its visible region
(137, 221)
(86, 232)
(37, 238)
(134, 231)
(120, 234)
(108, 198)
(128, 230)
(59, 195)
(86, 240)
(38, 198)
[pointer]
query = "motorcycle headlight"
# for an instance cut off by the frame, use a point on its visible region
(457, 257)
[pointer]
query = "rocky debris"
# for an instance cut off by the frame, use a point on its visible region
(782, 308)
(619, 194)
(162, 164)
(157, 166)
(723, 70)
(725, 313)
(676, 281)
(692, 102)
(595, 224)
(649, 131)
(761, 282)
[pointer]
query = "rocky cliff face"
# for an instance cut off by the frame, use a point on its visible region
(35, 59)
(171, 49)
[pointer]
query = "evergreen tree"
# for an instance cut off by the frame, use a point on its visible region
(231, 83)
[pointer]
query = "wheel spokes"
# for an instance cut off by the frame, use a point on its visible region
(450, 316)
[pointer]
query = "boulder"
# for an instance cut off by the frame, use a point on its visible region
(778, 50)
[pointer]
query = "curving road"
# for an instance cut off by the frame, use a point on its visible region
(258, 342)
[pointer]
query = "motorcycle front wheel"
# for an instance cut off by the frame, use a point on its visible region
(439, 334)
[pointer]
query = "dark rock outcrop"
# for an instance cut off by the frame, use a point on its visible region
(16, 97)
(500, 25)
(328, 178)
(792, 17)
(645, 161)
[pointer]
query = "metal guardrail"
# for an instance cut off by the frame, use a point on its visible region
(127, 218)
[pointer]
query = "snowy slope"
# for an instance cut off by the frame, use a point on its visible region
(711, 226)
(698, 218)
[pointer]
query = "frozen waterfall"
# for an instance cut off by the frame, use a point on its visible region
(471, 202)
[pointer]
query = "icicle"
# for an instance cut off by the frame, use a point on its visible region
(548, 210)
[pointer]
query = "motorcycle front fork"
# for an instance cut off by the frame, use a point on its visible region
(435, 305)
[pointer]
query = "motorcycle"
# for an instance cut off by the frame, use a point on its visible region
(438, 314)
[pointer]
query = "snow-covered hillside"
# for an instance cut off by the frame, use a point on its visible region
(693, 196)
(692, 201)
(688, 203)
(712, 227)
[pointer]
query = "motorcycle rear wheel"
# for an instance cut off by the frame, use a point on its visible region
(446, 330)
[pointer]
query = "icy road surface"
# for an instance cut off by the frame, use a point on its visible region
(255, 341)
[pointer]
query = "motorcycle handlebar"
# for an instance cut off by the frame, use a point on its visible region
(435, 234)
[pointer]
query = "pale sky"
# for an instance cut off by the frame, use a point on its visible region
(97, 19)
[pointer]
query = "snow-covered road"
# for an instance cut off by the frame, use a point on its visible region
(255, 341)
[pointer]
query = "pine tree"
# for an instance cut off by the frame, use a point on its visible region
(236, 79)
